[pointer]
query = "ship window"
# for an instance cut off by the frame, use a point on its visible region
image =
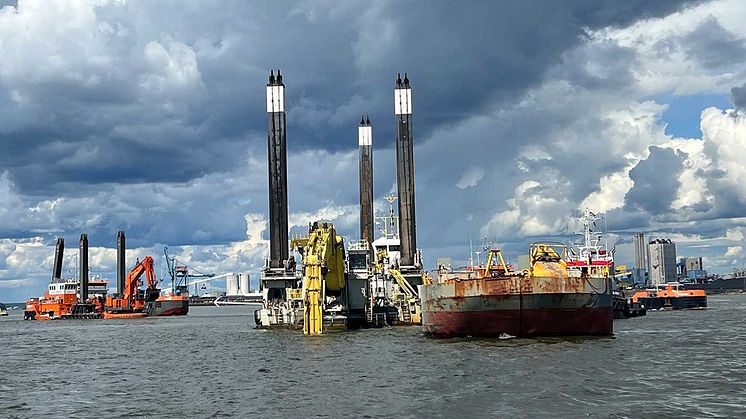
(358, 261)
(394, 248)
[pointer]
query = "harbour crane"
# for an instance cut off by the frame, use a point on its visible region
(181, 274)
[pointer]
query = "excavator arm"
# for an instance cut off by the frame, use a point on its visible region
(133, 278)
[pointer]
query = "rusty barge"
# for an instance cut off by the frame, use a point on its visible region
(563, 292)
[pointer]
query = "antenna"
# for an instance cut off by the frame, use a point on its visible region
(471, 249)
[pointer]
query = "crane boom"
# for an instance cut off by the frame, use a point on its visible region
(131, 300)
(323, 269)
(133, 277)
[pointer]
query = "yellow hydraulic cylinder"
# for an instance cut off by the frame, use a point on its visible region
(312, 281)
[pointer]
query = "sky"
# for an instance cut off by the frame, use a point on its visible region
(150, 117)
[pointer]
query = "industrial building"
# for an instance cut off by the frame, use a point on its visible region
(656, 263)
(640, 271)
(691, 268)
(662, 261)
(237, 284)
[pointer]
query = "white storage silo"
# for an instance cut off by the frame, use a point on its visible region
(231, 284)
(243, 284)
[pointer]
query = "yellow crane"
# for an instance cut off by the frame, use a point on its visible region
(323, 272)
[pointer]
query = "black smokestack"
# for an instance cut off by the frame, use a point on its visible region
(121, 262)
(59, 251)
(405, 170)
(365, 139)
(278, 176)
(83, 254)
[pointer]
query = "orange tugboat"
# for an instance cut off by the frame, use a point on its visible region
(670, 296)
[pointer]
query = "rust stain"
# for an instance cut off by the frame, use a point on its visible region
(517, 285)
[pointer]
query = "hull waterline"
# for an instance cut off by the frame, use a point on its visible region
(524, 307)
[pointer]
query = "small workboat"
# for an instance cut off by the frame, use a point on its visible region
(671, 295)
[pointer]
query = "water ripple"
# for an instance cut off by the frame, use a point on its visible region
(213, 364)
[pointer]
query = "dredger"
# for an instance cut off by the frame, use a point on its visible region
(373, 282)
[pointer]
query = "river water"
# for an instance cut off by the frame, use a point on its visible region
(213, 363)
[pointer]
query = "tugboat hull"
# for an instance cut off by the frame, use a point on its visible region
(677, 303)
(671, 296)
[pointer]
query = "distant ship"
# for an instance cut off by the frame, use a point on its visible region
(3, 310)
(670, 296)
(734, 284)
(564, 292)
(251, 298)
(202, 300)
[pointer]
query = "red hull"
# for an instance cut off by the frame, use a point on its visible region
(177, 311)
(524, 323)
(523, 306)
(168, 307)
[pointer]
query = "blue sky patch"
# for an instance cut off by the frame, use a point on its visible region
(683, 113)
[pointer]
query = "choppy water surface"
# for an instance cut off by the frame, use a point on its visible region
(214, 363)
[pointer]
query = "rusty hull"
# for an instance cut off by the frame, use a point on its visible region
(519, 306)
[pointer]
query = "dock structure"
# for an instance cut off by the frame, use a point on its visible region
(365, 139)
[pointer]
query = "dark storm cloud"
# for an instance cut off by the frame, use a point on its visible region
(714, 46)
(460, 58)
(739, 96)
(624, 221)
(656, 181)
(149, 116)
(153, 95)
